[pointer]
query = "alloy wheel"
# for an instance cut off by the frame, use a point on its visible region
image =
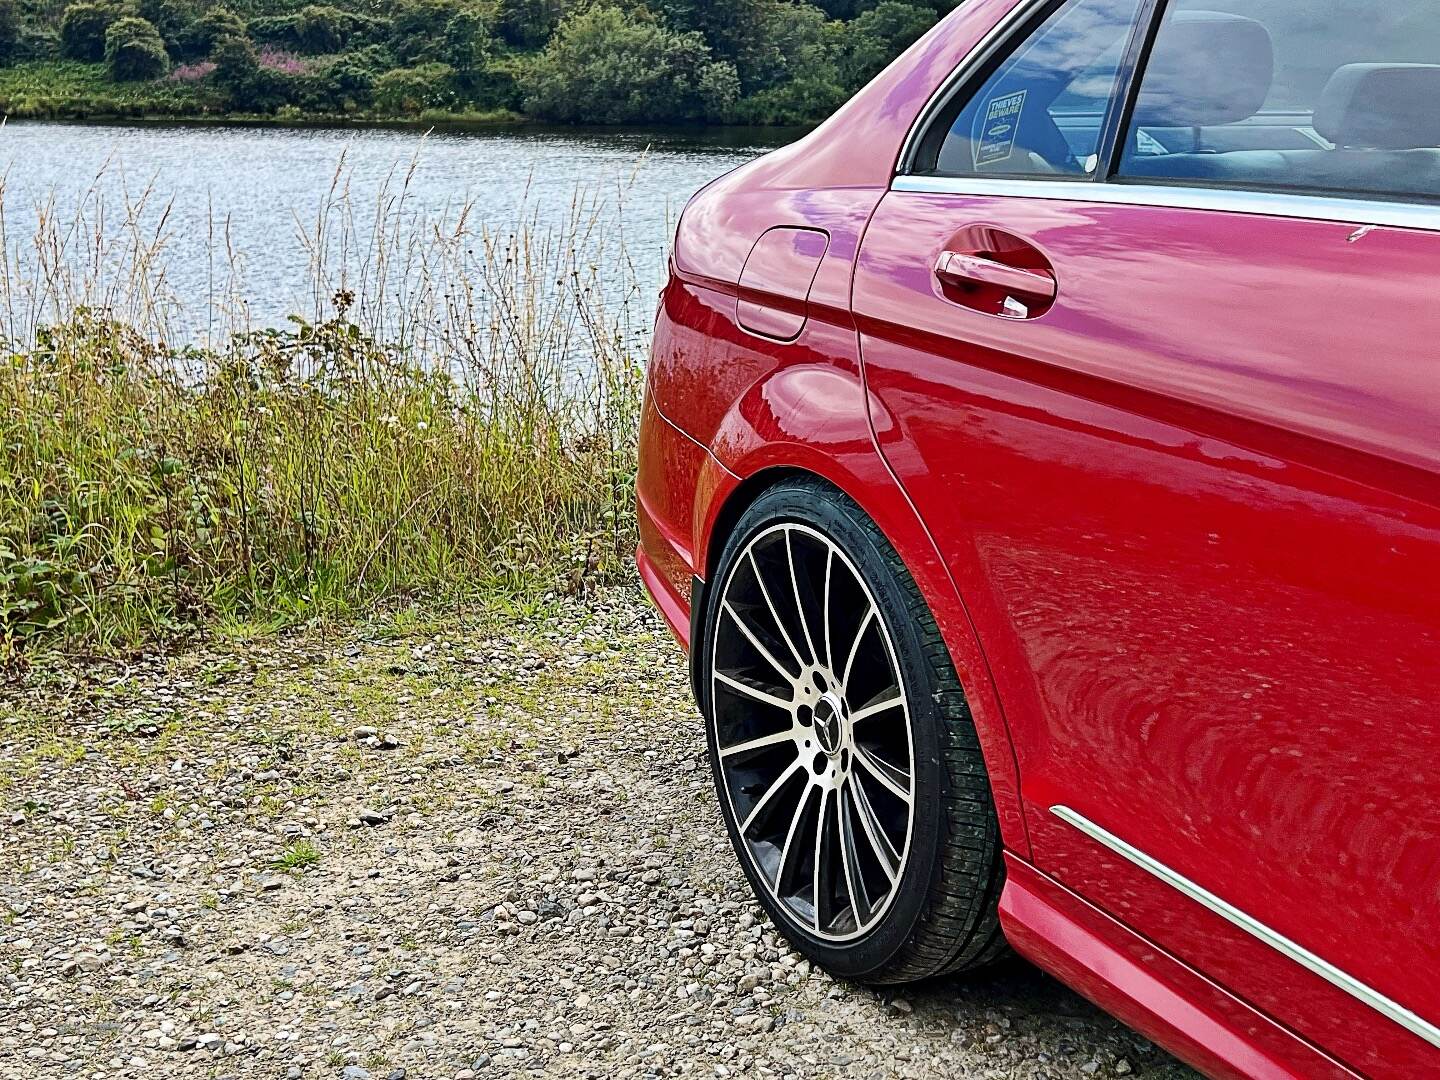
(812, 732)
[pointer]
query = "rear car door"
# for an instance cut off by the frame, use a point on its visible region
(1151, 327)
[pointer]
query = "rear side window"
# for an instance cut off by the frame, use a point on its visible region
(1341, 97)
(1040, 112)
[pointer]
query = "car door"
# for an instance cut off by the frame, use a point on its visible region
(1173, 417)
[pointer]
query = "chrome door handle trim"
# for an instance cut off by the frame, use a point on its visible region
(1362, 992)
(957, 268)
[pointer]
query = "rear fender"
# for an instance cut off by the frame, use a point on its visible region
(813, 419)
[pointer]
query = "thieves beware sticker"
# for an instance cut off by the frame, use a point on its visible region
(997, 128)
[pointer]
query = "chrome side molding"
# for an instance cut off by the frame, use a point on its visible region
(1317, 965)
(1400, 215)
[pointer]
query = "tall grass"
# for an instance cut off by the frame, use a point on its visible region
(453, 415)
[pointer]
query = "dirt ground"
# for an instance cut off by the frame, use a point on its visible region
(433, 847)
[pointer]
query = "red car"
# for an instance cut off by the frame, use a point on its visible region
(1041, 461)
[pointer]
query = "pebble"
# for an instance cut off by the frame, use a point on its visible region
(538, 883)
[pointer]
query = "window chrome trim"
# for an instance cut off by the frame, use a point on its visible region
(1221, 200)
(980, 55)
(1362, 992)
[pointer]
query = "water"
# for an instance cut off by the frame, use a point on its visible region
(255, 191)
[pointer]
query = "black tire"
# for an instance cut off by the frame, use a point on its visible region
(942, 915)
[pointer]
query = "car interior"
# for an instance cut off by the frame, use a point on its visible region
(1203, 116)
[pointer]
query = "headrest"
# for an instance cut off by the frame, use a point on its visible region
(1381, 106)
(1207, 68)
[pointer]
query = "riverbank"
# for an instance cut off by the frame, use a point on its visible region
(455, 420)
(74, 91)
(434, 845)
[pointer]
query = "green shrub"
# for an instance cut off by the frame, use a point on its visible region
(527, 23)
(466, 46)
(169, 17)
(311, 470)
(417, 29)
(351, 78)
(134, 50)
(317, 29)
(36, 43)
(200, 37)
(611, 66)
(71, 90)
(879, 35)
(416, 89)
(10, 32)
(82, 30)
(246, 86)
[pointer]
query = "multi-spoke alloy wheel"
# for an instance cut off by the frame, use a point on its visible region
(848, 769)
(813, 731)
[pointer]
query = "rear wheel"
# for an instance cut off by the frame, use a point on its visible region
(843, 751)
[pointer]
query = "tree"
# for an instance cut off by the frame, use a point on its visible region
(748, 33)
(881, 34)
(199, 38)
(808, 83)
(134, 50)
(247, 86)
(82, 30)
(321, 29)
(612, 66)
(467, 47)
(352, 77)
(9, 32)
(169, 17)
(527, 23)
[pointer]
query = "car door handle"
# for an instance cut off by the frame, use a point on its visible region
(959, 268)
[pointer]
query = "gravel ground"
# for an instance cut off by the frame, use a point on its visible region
(432, 849)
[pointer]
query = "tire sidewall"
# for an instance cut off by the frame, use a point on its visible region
(818, 507)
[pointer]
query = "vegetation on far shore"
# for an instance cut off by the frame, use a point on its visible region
(571, 61)
(455, 419)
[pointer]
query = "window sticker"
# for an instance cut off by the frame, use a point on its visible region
(998, 127)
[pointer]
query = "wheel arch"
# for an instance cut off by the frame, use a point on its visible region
(726, 491)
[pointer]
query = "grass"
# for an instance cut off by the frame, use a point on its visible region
(298, 855)
(452, 418)
(73, 90)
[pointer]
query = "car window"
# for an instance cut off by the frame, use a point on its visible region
(1338, 97)
(1041, 111)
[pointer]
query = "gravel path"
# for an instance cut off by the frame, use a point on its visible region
(432, 850)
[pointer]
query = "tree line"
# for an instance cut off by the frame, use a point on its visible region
(574, 61)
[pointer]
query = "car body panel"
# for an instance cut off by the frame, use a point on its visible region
(1150, 990)
(1191, 542)
(1181, 533)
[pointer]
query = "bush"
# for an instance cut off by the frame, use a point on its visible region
(134, 50)
(415, 89)
(808, 83)
(317, 29)
(527, 23)
(247, 86)
(36, 43)
(879, 35)
(313, 470)
(199, 38)
(350, 80)
(169, 17)
(466, 45)
(611, 66)
(417, 29)
(82, 30)
(9, 32)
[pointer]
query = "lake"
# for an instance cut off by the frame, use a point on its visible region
(232, 210)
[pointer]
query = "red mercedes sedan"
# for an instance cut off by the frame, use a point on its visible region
(1041, 462)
